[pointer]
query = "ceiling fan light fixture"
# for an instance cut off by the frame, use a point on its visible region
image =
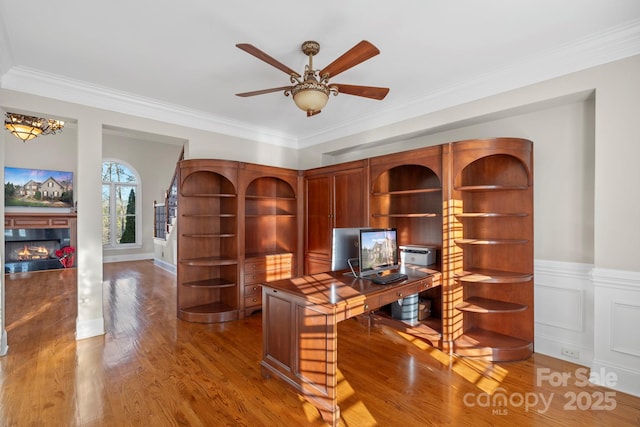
(311, 93)
(310, 96)
(26, 128)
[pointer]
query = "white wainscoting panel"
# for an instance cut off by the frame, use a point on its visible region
(563, 310)
(617, 320)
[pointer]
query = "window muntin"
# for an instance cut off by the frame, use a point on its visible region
(120, 210)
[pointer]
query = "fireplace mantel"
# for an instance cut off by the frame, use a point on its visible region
(40, 220)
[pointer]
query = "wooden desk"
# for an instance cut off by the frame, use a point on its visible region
(299, 325)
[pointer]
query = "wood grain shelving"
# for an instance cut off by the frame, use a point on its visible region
(208, 275)
(492, 232)
(486, 305)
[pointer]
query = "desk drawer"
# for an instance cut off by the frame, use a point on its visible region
(253, 300)
(371, 302)
(424, 284)
(358, 306)
(266, 276)
(252, 290)
(269, 262)
(398, 293)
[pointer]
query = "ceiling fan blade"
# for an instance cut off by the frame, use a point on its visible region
(354, 56)
(366, 91)
(263, 91)
(252, 50)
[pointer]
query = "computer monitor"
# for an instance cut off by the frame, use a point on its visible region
(378, 250)
(345, 244)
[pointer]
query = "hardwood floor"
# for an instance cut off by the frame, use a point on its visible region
(151, 369)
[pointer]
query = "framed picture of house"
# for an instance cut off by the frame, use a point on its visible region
(37, 188)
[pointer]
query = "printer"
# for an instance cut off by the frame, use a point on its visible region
(418, 255)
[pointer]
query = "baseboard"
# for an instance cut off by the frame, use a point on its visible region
(625, 380)
(557, 347)
(129, 257)
(89, 328)
(165, 265)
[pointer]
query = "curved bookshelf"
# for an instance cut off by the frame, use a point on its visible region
(490, 241)
(208, 261)
(488, 345)
(207, 241)
(209, 283)
(214, 312)
(491, 187)
(492, 232)
(490, 215)
(492, 276)
(408, 215)
(487, 305)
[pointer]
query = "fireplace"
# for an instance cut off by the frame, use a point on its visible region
(31, 241)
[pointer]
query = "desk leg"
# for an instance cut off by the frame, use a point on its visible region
(300, 347)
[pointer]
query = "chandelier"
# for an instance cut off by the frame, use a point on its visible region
(26, 128)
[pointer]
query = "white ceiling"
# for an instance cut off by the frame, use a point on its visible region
(176, 61)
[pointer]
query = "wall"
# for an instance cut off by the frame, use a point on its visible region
(51, 152)
(155, 162)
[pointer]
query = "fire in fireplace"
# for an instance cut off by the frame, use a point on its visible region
(33, 249)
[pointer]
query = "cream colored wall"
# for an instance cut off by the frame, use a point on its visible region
(214, 146)
(156, 163)
(53, 152)
(617, 200)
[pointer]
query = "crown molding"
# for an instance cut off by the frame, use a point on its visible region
(28, 80)
(597, 49)
(606, 46)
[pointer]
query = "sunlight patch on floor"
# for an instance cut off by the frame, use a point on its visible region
(353, 412)
(485, 375)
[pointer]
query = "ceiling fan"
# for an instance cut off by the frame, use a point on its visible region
(311, 92)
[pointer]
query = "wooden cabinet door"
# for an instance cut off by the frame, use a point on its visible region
(318, 215)
(336, 196)
(348, 199)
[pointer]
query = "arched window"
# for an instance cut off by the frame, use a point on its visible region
(120, 212)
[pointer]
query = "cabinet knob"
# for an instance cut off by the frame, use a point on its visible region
(399, 294)
(255, 288)
(366, 306)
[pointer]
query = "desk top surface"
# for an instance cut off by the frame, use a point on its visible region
(335, 287)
